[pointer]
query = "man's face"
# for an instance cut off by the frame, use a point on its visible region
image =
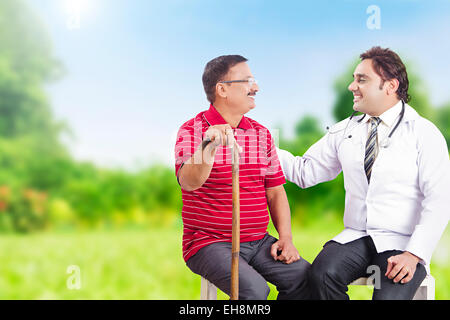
(367, 95)
(240, 95)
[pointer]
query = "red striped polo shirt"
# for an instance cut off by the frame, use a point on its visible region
(207, 211)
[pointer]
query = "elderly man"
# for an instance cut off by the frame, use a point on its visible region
(204, 173)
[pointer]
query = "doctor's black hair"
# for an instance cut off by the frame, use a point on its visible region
(388, 65)
(216, 70)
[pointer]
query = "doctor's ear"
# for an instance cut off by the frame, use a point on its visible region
(392, 86)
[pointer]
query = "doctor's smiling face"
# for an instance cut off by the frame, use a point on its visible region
(371, 94)
(379, 82)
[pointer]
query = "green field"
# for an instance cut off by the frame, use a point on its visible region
(137, 264)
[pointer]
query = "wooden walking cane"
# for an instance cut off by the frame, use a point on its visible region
(236, 214)
(236, 227)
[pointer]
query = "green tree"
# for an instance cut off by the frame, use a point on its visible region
(27, 63)
(32, 153)
(33, 161)
(442, 121)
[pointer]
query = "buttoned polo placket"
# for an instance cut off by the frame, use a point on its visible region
(213, 117)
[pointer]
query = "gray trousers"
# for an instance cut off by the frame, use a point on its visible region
(256, 267)
(337, 265)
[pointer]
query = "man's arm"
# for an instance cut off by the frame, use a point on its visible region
(196, 170)
(192, 175)
(281, 217)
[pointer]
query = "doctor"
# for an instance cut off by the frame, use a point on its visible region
(396, 177)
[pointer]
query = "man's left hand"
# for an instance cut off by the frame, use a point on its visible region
(288, 254)
(402, 267)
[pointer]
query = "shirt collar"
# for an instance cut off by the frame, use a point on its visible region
(213, 117)
(390, 115)
(410, 113)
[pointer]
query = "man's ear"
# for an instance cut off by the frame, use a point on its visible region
(392, 86)
(221, 91)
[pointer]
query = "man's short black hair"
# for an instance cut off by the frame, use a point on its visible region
(216, 70)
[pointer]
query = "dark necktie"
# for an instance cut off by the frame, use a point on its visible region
(371, 146)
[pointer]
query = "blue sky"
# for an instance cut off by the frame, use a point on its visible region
(134, 67)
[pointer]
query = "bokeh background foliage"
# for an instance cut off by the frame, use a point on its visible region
(123, 229)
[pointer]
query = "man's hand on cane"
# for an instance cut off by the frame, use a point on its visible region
(218, 135)
(221, 135)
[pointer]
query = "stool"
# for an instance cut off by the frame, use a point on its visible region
(208, 291)
(426, 290)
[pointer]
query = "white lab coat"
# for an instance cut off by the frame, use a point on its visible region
(407, 203)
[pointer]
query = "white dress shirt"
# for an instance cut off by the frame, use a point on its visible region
(407, 203)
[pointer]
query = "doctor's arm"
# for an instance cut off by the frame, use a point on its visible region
(319, 164)
(434, 182)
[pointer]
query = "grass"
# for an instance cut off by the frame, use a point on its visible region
(139, 264)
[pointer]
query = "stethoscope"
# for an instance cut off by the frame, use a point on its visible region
(386, 141)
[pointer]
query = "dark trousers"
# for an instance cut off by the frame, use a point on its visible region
(256, 267)
(337, 265)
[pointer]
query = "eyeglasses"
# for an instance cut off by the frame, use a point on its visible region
(250, 81)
